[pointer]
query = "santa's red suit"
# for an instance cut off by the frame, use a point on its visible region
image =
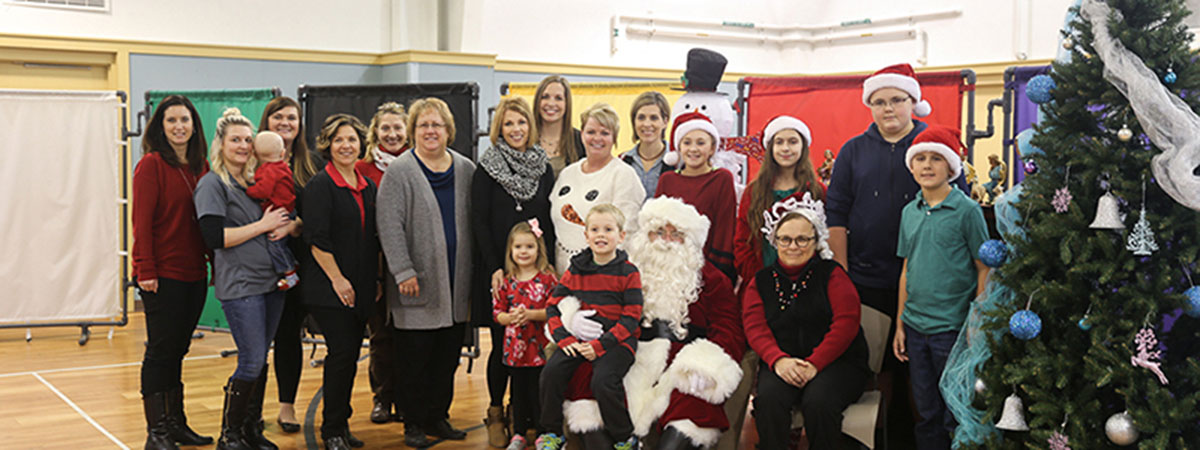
(659, 387)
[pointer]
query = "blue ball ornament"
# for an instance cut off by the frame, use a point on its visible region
(993, 253)
(1040, 89)
(1084, 324)
(1025, 324)
(1170, 77)
(1025, 143)
(1192, 305)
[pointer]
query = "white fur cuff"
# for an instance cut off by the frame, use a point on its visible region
(706, 358)
(701, 437)
(582, 416)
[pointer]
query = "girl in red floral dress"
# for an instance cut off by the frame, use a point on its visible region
(521, 308)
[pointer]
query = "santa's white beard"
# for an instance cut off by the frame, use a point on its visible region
(671, 278)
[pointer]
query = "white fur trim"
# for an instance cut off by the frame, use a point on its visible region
(582, 416)
(951, 157)
(704, 357)
(567, 307)
(671, 158)
(645, 396)
(785, 123)
(696, 124)
(659, 211)
(922, 109)
(891, 80)
(701, 437)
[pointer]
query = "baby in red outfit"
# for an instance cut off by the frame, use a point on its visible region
(273, 185)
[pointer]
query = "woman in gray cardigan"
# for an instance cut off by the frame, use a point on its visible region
(424, 228)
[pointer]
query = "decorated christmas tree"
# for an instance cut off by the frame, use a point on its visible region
(1095, 347)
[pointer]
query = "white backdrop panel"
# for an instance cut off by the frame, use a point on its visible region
(59, 212)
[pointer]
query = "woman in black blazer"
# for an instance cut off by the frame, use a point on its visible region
(341, 283)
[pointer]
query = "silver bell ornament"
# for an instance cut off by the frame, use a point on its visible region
(1067, 43)
(1124, 134)
(1013, 418)
(1108, 216)
(1120, 430)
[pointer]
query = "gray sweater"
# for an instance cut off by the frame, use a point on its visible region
(410, 232)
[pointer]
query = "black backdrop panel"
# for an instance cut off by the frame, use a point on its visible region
(361, 101)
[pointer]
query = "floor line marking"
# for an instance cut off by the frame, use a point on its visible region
(80, 411)
(105, 366)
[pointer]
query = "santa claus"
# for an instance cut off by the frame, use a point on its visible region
(686, 364)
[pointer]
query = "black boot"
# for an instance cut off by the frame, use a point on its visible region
(179, 429)
(353, 441)
(597, 439)
(237, 395)
(442, 429)
(158, 422)
(336, 443)
(673, 439)
(252, 427)
(414, 436)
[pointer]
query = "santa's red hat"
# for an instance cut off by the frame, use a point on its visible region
(944, 141)
(685, 123)
(899, 76)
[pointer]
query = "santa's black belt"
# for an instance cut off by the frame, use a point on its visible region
(661, 329)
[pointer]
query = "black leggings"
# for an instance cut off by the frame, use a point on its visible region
(171, 317)
(343, 332)
(289, 356)
(525, 404)
(497, 372)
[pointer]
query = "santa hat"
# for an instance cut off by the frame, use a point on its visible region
(660, 211)
(781, 123)
(944, 141)
(899, 76)
(685, 123)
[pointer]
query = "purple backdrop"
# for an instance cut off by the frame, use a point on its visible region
(1024, 113)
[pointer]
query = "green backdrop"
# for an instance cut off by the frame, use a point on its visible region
(210, 105)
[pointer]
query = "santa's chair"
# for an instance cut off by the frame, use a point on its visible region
(864, 420)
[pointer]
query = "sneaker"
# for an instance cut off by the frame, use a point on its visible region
(549, 441)
(629, 444)
(517, 443)
(289, 280)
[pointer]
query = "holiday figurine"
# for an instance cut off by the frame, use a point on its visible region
(1148, 353)
(996, 175)
(1141, 239)
(826, 169)
(704, 71)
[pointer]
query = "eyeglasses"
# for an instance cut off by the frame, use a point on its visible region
(430, 125)
(673, 235)
(893, 102)
(800, 241)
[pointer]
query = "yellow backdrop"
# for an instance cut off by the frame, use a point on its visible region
(619, 95)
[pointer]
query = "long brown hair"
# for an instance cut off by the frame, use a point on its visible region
(303, 167)
(763, 187)
(542, 263)
(154, 140)
(566, 140)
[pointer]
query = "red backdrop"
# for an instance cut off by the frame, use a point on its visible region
(833, 110)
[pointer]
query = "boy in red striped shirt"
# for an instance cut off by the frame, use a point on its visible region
(593, 316)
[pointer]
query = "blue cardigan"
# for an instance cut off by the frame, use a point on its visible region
(868, 190)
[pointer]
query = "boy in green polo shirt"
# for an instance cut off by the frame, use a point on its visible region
(940, 231)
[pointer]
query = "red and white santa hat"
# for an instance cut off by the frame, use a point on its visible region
(899, 76)
(685, 123)
(944, 141)
(784, 122)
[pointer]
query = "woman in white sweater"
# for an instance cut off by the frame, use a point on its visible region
(598, 178)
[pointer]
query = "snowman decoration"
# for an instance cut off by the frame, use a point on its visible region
(704, 71)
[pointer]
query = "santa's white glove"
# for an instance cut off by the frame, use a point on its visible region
(584, 328)
(699, 383)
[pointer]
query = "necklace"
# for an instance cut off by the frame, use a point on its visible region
(188, 181)
(786, 300)
(660, 152)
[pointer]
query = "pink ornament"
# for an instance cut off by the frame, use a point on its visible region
(1147, 353)
(1058, 442)
(1062, 200)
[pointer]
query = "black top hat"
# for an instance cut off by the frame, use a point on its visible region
(704, 70)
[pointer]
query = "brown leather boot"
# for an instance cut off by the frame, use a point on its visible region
(497, 434)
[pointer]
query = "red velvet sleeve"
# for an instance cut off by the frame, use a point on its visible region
(847, 311)
(145, 202)
(264, 183)
(724, 220)
(754, 321)
(722, 312)
(554, 323)
(745, 258)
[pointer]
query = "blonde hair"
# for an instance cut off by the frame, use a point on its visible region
(216, 158)
(373, 129)
(605, 114)
(542, 263)
(566, 143)
(650, 98)
(610, 209)
(330, 128)
(519, 106)
(436, 104)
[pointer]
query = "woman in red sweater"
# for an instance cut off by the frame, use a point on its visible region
(703, 186)
(169, 263)
(387, 138)
(786, 172)
(802, 315)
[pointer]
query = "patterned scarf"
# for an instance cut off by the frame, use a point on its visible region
(383, 158)
(517, 172)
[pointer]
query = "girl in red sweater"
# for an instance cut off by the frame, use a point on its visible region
(786, 172)
(708, 189)
(169, 263)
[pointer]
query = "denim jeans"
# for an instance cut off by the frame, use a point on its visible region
(253, 320)
(927, 355)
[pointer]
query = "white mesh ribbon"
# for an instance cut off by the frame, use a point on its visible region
(811, 209)
(1167, 120)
